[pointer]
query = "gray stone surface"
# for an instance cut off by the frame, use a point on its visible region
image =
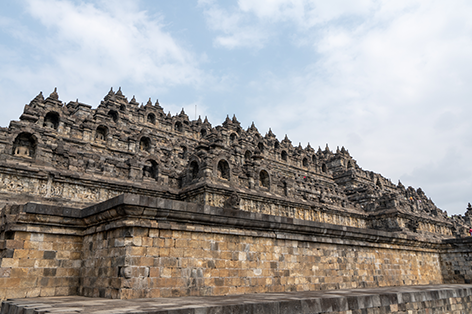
(273, 303)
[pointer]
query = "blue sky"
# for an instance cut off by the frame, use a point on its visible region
(389, 80)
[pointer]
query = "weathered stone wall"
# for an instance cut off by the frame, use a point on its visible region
(196, 260)
(135, 246)
(37, 264)
(456, 261)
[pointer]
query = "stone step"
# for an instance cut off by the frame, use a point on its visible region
(455, 298)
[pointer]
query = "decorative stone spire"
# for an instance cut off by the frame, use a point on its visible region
(119, 93)
(199, 120)
(343, 150)
(286, 141)
(38, 99)
(169, 116)
(206, 120)
(327, 148)
(253, 127)
(270, 134)
(149, 102)
(133, 101)
(235, 120)
(337, 150)
(110, 94)
(400, 185)
(227, 121)
(54, 94)
(183, 114)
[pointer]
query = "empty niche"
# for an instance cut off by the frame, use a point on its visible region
(122, 107)
(305, 162)
(51, 120)
(150, 170)
(101, 133)
(113, 115)
(203, 133)
(284, 155)
(323, 168)
(178, 126)
(193, 170)
(276, 145)
(223, 169)
(145, 144)
(264, 180)
(24, 145)
(151, 118)
(261, 146)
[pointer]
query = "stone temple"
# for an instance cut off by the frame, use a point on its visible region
(125, 201)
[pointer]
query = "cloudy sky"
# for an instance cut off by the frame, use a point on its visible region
(389, 80)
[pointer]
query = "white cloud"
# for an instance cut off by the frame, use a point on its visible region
(253, 23)
(89, 47)
(231, 24)
(119, 40)
(305, 13)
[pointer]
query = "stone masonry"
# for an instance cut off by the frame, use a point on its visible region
(125, 201)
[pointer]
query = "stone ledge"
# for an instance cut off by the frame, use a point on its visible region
(159, 209)
(385, 300)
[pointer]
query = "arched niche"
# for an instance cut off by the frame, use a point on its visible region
(24, 145)
(261, 147)
(276, 145)
(324, 168)
(113, 115)
(284, 155)
(193, 170)
(151, 118)
(51, 120)
(101, 133)
(264, 179)
(150, 169)
(232, 138)
(305, 162)
(203, 133)
(145, 144)
(223, 169)
(178, 127)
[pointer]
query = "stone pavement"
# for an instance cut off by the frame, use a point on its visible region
(407, 299)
